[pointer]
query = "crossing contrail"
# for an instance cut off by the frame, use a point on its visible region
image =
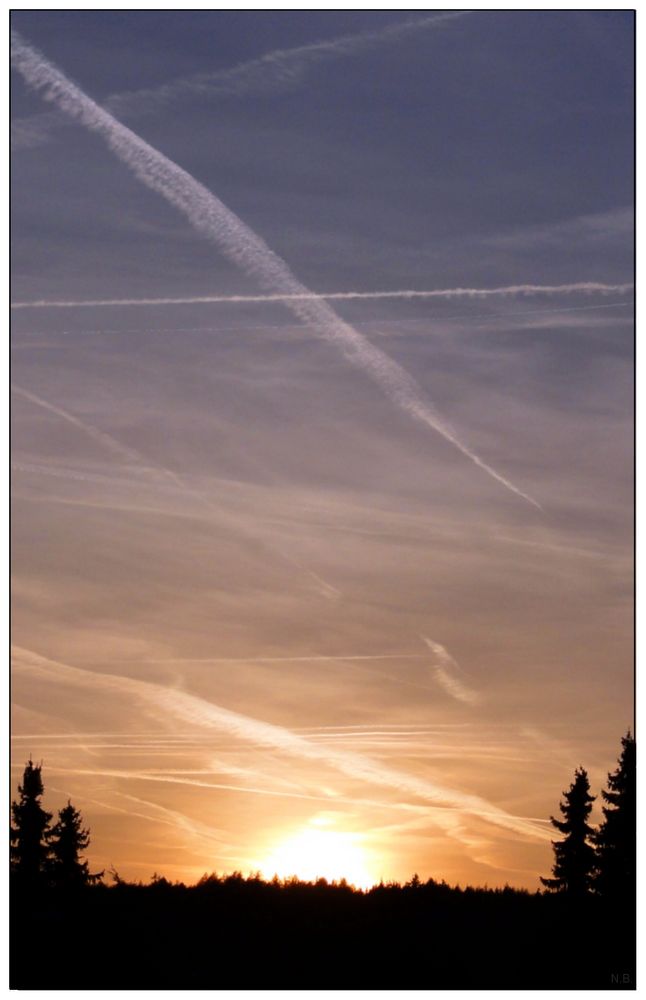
(239, 243)
(582, 287)
(278, 71)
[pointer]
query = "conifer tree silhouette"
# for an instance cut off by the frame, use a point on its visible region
(574, 857)
(615, 839)
(67, 841)
(29, 830)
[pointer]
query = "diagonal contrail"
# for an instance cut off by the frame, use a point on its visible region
(239, 243)
(118, 449)
(584, 287)
(274, 72)
(129, 455)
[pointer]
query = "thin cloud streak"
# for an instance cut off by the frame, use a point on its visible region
(168, 777)
(444, 670)
(285, 659)
(131, 456)
(506, 291)
(178, 821)
(173, 704)
(143, 775)
(239, 243)
(106, 441)
(274, 72)
(134, 775)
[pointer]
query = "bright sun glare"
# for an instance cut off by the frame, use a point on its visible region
(317, 853)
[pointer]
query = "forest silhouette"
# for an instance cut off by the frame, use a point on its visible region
(72, 929)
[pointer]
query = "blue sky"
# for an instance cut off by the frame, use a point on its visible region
(198, 483)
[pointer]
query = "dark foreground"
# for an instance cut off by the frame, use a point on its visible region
(248, 934)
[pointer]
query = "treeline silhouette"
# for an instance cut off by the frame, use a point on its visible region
(72, 930)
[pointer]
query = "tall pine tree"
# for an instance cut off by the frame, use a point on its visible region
(29, 830)
(67, 841)
(616, 838)
(574, 857)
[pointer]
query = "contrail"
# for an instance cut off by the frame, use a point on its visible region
(211, 837)
(129, 455)
(238, 242)
(444, 669)
(170, 703)
(105, 440)
(583, 287)
(275, 72)
(284, 659)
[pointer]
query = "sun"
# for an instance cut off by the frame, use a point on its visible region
(313, 853)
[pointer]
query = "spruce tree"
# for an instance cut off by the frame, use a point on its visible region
(67, 841)
(29, 830)
(616, 838)
(574, 857)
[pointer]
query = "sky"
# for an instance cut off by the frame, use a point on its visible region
(323, 586)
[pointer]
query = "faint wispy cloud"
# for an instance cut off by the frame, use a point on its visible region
(306, 658)
(108, 442)
(172, 704)
(275, 72)
(445, 670)
(595, 227)
(130, 455)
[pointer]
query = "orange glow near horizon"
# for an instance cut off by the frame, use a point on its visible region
(315, 852)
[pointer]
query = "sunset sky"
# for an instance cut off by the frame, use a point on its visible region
(322, 586)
